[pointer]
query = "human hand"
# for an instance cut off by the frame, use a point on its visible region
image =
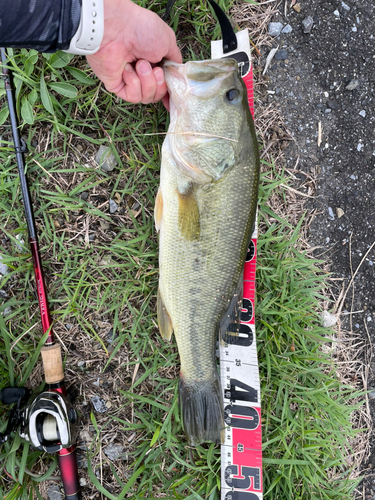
(134, 41)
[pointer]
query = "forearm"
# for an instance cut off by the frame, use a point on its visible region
(43, 25)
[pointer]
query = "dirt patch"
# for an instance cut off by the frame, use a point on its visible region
(322, 78)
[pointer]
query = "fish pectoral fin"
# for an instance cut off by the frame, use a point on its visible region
(188, 216)
(164, 320)
(158, 215)
(230, 322)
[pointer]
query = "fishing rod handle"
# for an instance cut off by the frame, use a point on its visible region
(52, 364)
(67, 459)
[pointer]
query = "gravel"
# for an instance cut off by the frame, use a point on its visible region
(274, 29)
(105, 159)
(115, 452)
(307, 24)
(99, 404)
(113, 207)
(3, 267)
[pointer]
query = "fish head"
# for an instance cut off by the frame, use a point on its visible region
(208, 105)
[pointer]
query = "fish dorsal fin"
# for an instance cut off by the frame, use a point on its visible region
(230, 322)
(158, 209)
(164, 320)
(188, 216)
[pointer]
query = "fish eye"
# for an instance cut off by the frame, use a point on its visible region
(233, 95)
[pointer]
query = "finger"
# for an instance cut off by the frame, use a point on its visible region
(161, 88)
(132, 90)
(165, 101)
(147, 79)
(173, 53)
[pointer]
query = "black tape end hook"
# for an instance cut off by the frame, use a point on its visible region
(229, 36)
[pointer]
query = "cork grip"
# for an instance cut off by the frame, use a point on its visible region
(52, 363)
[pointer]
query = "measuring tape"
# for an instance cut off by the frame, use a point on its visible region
(241, 452)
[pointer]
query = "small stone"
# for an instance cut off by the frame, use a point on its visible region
(99, 404)
(288, 29)
(331, 214)
(362, 113)
(7, 311)
(336, 13)
(354, 29)
(105, 159)
(115, 451)
(54, 492)
(333, 105)
(82, 482)
(344, 6)
(274, 29)
(81, 462)
(360, 146)
(84, 195)
(339, 212)
(307, 23)
(3, 294)
(105, 261)
(3, 267)
(352, 85)
(328, 319)
(111, 337)
(86, 435)
(21, 242)
(281, 55)
(297, 7)
(113, 207)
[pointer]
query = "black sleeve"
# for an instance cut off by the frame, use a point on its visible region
(43, 25)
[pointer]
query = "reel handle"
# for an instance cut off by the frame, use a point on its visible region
(10, 395)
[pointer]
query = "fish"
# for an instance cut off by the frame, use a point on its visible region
(205, 211)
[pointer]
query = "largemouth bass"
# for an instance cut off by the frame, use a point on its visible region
(205, 212)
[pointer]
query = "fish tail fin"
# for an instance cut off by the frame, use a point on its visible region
(201, 407)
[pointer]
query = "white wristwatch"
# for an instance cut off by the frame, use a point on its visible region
(89, 35)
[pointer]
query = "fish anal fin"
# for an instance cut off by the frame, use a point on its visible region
(158, 209)
(164, 320)
(230, 322)
(188, 216)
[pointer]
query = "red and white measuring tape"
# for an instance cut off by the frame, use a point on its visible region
(241, 453)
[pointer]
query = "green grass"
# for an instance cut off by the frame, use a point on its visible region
(102, 272)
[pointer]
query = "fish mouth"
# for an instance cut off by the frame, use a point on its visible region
(198, 78)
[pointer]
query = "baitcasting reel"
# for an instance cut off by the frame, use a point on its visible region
(45, 420)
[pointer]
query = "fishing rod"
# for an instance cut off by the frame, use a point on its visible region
(46, 419)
